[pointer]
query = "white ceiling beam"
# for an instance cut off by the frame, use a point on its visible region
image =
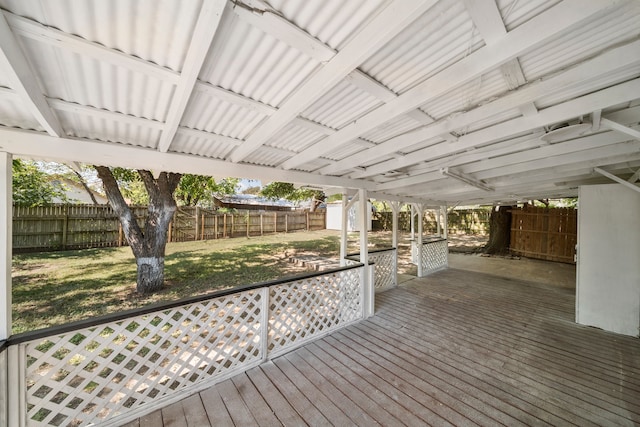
(71, 107)
(593, 147)
(24, 82)
(634, 177)
(620, 128)
(465, 178)
(272, 23)
(386, 25)
(430, 203)
(565, 111)
(528, 109)
(539, 29)
(595, 120)
(39, 145)
(617, 179)
(603, 64)
(36, 31)
(203, 34)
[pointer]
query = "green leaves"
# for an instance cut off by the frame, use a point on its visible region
(32, 186)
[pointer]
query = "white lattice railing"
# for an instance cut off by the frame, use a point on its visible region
(435, 256)
(385, 263)
(109, 370)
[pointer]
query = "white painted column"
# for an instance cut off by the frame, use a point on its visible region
(445, 222)
(413, 227)
(420, 209)
(344, 229)
(5, 244)
(438, 220)
(395, 209)
(367, 280)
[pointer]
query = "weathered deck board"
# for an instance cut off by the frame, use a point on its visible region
(456, 348)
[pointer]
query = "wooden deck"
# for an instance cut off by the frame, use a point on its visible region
(456, 348)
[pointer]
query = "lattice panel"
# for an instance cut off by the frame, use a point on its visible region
(385, 269)
(93, 374)
(303, 309)
(435, 256)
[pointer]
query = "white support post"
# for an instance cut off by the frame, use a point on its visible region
(445, 222)
(420, 208)
(367, 282)
(395, 209)
(412, 223)
(5, 244)
(344, 229)
(438, 219)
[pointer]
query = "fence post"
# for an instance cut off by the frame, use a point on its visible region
(286, 223)
(202, 226)
(261, 225)
(224, 226)
(275, 222)
(197, 218)
(215, 226)
(248, 220)
(232, 225)
(120, 234)
(308, 228)
(65, 227)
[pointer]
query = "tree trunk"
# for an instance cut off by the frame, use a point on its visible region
(149, 246)
(499, 231)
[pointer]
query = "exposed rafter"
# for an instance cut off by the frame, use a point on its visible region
(203, 34)
(24, 81)
(603, 64)
(621, 128)
(386, 25)
(617, 179)
(543, 27)
(465, 179)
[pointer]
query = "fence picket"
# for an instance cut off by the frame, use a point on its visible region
(61, 227)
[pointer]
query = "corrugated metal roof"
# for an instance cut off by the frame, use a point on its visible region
(294, 138)
(84, 80)
(220, 117)
(516, 12)
(340, 106)
(392, 128)
(247, 61)
(442, 36)
(201, 145)
(469, 95)
(155, 30)
(331, 21)
(600, 32)
(13, 113)
(268, 156)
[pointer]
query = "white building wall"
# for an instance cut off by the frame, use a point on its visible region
(608, 276)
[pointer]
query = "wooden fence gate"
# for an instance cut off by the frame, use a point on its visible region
(544, 233)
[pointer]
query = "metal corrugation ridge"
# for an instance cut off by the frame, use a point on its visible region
(102, 129)
(517, 12)
(331, 21)
(87, 81)
(439, 38)
(585, 40)
(590, 86)
(294, 138)
(346, 150)
(245, 60)
(220, 117)
(14, 114)
(341, 105)
(313, 165)
(156, 31)
(491, 121)
(398, 126)
(467, 96)
(200, 145)
(268, 156)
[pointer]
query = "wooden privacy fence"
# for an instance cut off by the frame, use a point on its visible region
(60, 227)
(460, 221)
(544, 233)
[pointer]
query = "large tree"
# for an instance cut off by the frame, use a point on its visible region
(148, 246)
(499, 231)
(286, 190)
(195, 190)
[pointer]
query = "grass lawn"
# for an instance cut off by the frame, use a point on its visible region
(54, 288)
